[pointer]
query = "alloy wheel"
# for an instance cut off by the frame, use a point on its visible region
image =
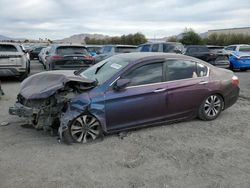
(213, 106)
(85, 128)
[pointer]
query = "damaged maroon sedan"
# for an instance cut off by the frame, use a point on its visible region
(123, 92)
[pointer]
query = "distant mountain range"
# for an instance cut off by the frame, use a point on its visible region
(80, 38)
(4, 38)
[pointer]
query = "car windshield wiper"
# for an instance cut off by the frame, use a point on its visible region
(99, 68)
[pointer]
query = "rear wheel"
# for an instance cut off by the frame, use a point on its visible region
(211, 107)
(84, 129)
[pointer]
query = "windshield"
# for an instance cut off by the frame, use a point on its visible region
(244, 49)
(104, 70)
(69, 50)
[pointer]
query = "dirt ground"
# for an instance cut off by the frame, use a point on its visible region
(193, 154)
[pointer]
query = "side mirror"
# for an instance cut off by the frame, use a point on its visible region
(121, 84)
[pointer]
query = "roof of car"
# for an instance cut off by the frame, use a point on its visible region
(160, 43)
(195, 46)
(120, 45)
(137, 56)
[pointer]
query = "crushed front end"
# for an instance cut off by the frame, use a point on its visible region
(44, 97)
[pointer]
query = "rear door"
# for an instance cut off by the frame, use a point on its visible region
(187, 85)
(141, 102)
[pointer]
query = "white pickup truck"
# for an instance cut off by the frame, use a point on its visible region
(13, 61)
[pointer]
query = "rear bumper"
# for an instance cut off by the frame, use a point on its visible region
(11, 71)
(21, 110)
(238, 63)
(232, 97)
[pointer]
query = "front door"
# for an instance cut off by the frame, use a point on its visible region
(141, 102)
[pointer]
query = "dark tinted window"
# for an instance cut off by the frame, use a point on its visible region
(244, 49)
(106, 49)
(203, 49)
(38, 49)
(7, 48)
(145, 48)
(155, 47)
(168, 48)
(231, 48)
(147, 74)
(124, 49)
(69, 50)
(180, 69)
(192, 50)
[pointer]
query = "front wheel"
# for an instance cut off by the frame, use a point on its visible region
(84, 129)
(211, 107)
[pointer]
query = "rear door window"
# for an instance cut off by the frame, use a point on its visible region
(7, 48)
(183, 69)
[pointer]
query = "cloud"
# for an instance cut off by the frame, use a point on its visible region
(58, 19)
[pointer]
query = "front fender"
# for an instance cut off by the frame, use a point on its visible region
(75, 108)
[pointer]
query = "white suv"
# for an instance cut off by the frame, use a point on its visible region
(13, 61)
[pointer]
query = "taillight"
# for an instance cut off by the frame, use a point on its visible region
(235, 80)
(89, 57)
(56, 57)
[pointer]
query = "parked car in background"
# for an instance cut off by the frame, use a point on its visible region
(42, 56)
(126, 91)
(26, 51)
(110, 50)
(167, 47)
(211, 56)
(94, 49)
(35, 51)
(240, 57)
(13, 61)
(229, 49)
(65, 56)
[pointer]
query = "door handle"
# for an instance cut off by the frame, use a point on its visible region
(160, 90)
(203, 82)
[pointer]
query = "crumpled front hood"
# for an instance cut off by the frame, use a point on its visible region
(45, 84)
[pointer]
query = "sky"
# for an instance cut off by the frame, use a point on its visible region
(57, 19)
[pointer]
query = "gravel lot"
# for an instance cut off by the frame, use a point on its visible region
(191, 154)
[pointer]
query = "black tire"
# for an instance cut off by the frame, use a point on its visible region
(28, 64)
(23, 76)
(211, 107)
(231, 67)
(243, 69)
(83, 129)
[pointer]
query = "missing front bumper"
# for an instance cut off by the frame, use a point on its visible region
(21, 110)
